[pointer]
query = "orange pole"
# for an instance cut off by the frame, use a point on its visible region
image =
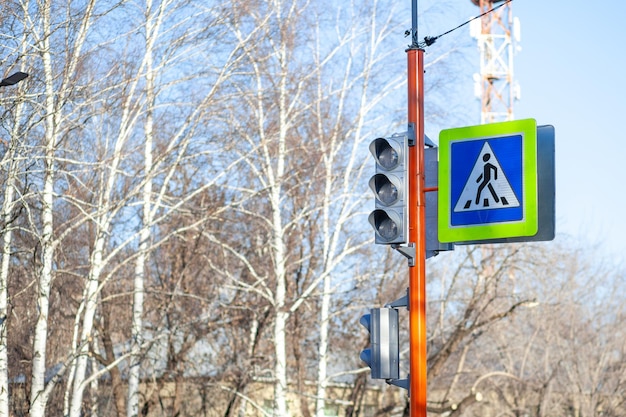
(417, 236)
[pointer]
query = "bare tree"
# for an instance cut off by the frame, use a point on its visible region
(12, 161)
(295, 127)
(519, 342)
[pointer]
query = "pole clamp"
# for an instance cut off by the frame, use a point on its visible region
(407, 251)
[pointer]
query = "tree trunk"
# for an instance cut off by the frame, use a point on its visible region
(7, 212)
(37, 398)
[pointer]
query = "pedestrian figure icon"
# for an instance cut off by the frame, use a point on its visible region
(485, 177)
(487, 186)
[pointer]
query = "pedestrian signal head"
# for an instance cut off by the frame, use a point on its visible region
(383, 354)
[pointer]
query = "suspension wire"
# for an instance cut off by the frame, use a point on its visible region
(429, 40)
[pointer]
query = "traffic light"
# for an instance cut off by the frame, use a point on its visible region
(390, 217)
(383, 355)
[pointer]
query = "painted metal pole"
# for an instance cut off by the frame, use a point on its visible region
(417, 228)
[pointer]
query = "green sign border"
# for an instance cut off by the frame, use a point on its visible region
(528, 226)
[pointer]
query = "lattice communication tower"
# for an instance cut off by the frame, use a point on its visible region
(498, 36)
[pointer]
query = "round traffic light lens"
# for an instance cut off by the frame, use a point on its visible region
(388, 229)
(388, 193)
(388, 157)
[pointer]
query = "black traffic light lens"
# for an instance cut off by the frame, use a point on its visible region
(387, 156)
(387, 193)
(387, 229)
(389, 226)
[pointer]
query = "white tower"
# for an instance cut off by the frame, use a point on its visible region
(498, 36)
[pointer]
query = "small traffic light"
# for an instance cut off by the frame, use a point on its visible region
(383, 355)
(390, 217)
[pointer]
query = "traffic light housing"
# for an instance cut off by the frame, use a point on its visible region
(390, 185)
(383, 355)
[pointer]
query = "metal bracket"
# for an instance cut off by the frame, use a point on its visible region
(400, 302)
(412, 137)
(429, 143)
(408, 251)
(411, 134)
(402, 383)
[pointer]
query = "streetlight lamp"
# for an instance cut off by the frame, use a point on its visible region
(13, 79)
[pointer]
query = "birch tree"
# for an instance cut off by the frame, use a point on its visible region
(153, 182)
(11, 163)
(154, 20)
(63, 103)
(56, 94)
(306, 132)
(341, 141)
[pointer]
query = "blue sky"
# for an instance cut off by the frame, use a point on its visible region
(572, 74)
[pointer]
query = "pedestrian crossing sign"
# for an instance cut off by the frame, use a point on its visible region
(488, 182)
